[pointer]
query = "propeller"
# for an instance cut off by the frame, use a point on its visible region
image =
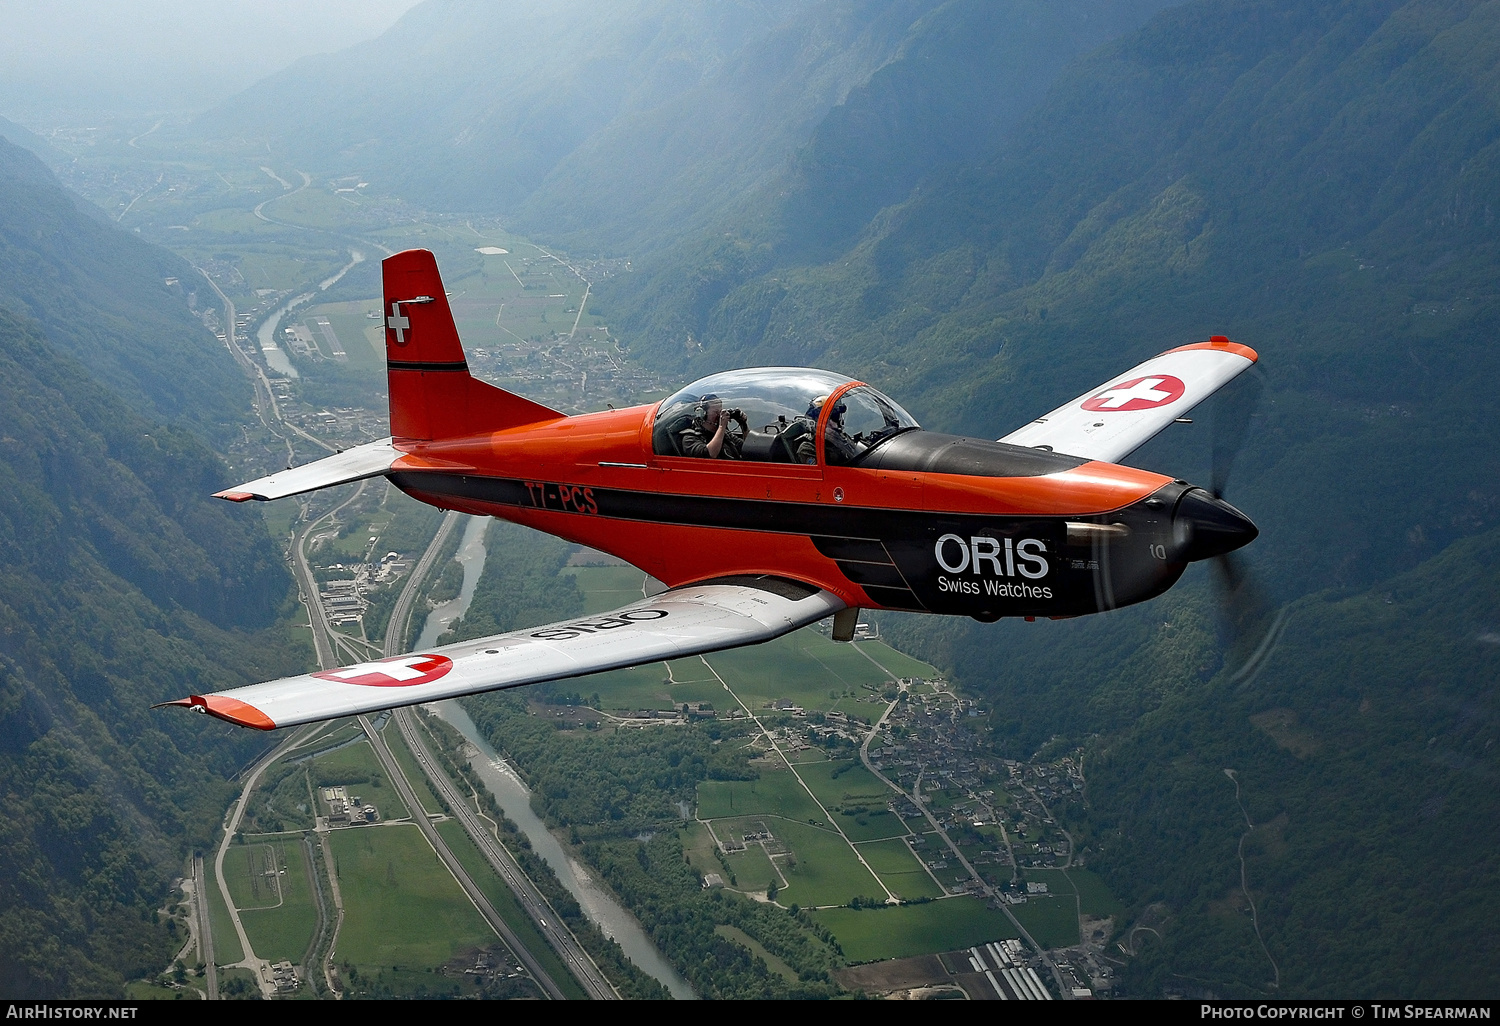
(1234, 407)
(1244, 602)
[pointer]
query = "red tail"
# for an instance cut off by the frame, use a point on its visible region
(432, 393)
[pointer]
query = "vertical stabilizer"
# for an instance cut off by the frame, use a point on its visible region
(433, 395)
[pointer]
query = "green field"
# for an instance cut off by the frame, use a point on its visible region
(898, 663)
(504, 901)
(414, 775)
(856, 797)
(1094, 897)
(356, 765)
(899, 870)
(253, 872)
(226, 941)
(823, 869)
(757, 949)
(1052, 921)
(401, 907)
(752, 869)
(776, 793)
(868, 935)
(802, 667)
(610, 587)
(362, 336)
(282, 932)
(698, 845)
(892, 857)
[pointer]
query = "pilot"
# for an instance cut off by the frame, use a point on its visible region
(807, 442)
(708, 435)
(838, 447)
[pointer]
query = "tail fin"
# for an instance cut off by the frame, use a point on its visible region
(432, 394)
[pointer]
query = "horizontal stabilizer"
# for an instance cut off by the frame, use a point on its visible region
(1114, 420)
(369, 460)
(690, 620)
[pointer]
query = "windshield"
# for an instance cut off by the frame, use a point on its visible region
(763, 414)
(862, 418)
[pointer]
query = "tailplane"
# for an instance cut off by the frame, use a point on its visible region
(433, 395)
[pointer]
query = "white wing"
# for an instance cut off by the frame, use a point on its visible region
(356, 464)
(1114, 420)
(685, 621)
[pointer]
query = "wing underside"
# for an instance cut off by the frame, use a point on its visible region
(356, 464)
(1114, 420)
(699, 618)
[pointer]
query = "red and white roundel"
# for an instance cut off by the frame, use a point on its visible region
(1137, 394)
(401, 672)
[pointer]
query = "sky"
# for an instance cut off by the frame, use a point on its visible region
(163, 56)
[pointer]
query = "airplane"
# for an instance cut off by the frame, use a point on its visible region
(822, 497)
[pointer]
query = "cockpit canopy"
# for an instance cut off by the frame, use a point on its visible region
(782, 408)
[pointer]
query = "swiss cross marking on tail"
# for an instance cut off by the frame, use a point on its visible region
(397, 323)
(1137, 394)
(401, 672)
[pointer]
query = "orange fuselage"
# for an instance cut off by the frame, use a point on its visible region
(877, 537)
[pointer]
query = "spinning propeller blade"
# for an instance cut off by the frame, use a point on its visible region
(1244, 603)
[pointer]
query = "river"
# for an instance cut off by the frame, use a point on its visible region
(276, 357)
(514, 797)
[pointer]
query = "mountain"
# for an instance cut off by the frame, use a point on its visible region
(121, 584)
(29, 140)
(103, 297)
(622, 125)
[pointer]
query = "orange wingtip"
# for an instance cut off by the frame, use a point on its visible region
(231, 710)
(234, 496)
(1221, 344)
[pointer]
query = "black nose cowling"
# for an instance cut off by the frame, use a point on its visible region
(1206, 527)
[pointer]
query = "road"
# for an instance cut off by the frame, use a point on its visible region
(530, 898)
(398, 627)
(323, 639)
(482, 903)
(535, 904)
(259, 966)
(205, 929)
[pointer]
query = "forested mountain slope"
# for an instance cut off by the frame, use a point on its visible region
(102, 296)
(121, 584)
(1320, 181)
(624, 125)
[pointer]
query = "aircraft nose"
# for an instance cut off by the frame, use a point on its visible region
(1206, 526)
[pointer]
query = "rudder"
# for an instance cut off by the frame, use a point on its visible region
(433, 395)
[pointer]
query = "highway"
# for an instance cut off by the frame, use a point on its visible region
(205, 930)
(398, 627)
(547, 920)
(482, 903)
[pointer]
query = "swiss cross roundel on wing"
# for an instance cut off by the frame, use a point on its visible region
(401, 672)
(1137, 394)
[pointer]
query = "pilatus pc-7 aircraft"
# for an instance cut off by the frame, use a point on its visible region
(764, 499)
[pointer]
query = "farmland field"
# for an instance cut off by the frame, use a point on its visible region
(401, 907)
(871, 934)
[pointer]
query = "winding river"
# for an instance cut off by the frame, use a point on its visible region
(514, 797)
(276, 357)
